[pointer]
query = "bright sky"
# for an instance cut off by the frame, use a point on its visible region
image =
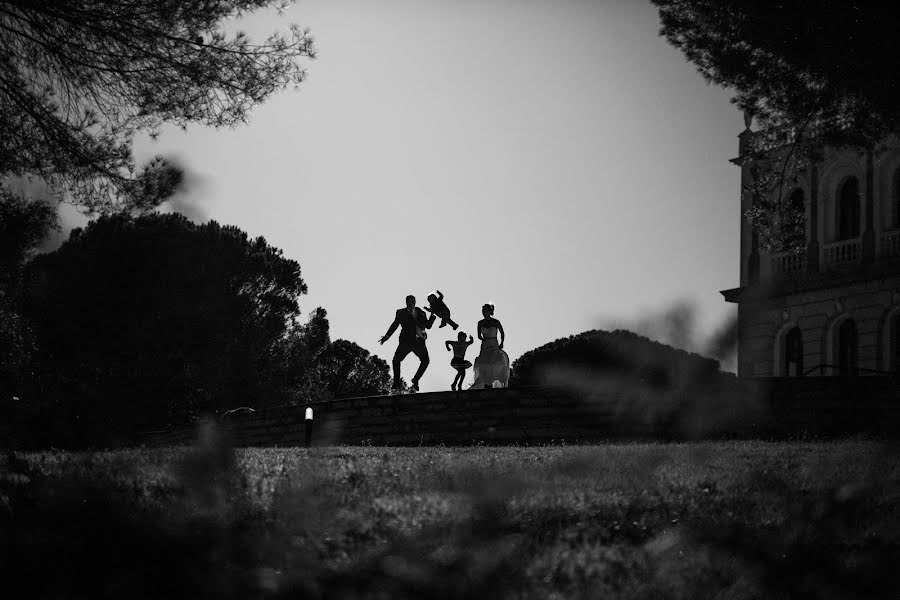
(555, 157)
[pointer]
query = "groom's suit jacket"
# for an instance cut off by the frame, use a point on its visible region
(409, 324)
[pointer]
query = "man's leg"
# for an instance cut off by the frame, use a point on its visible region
(422, 352)
(403, 348)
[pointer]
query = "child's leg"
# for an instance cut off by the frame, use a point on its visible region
(455, 381)
(452, 324)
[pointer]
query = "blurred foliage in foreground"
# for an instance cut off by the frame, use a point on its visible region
(709, 520)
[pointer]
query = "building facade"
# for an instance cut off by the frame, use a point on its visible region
(834, 307)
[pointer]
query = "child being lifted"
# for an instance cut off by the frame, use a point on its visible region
(459, 361)
(437, 307)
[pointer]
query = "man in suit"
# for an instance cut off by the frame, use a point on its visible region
(413, 323)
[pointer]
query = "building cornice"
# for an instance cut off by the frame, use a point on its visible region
(808, 283)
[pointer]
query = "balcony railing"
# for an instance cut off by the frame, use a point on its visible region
(844, 252)
(890, 244)
(840, 257)
(788, 262)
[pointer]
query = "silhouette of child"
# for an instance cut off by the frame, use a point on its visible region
(459, 361)
(437, 307)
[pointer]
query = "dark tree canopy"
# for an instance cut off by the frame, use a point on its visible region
(825, 67)
(16, 350)
(616, 353)
(23, 226)
(78, 79)
(314, 336)
(300, 351)
(348, 369)
(140, 323)
(140, 320)
(318, 369)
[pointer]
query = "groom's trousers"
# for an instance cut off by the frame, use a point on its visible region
(418, 348)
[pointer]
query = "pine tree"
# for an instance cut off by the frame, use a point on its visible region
(80, 78)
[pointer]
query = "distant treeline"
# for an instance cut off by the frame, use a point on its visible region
(142, 323)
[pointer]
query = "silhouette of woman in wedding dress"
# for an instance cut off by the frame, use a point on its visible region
(492, 364)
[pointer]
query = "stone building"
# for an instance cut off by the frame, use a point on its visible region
(833, 308)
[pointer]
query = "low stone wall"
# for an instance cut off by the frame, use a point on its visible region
(771, 408)
(492, 416)
(831, 406)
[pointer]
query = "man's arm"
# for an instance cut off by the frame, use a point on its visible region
(390, 330)
(430, 321)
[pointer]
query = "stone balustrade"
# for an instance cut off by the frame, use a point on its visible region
(788, 262)
(843, 252)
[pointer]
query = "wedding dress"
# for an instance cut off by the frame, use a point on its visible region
(492, 364)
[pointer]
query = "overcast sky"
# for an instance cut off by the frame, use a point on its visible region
(555, 157)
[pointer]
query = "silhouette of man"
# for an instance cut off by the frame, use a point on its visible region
(413, 323)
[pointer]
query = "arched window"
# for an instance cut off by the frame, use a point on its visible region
(890, 341)
(848, 209)
(793, 353)
(847, 348)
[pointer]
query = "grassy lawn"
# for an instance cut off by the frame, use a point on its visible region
(705, 520)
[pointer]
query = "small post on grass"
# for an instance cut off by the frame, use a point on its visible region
(309, 425)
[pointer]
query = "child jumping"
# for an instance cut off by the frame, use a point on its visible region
(459, 361)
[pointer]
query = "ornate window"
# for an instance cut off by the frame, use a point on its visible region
(793, 353)
(848, 209)
(847, 348)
